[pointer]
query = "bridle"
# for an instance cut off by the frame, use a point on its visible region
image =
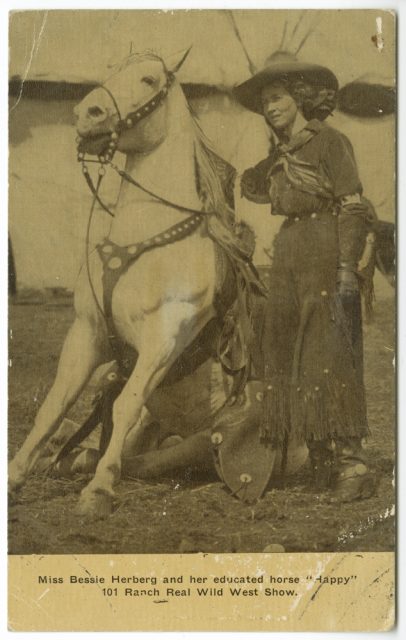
(123, 124)
(133, 118)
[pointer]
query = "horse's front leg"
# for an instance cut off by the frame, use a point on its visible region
(96, 499)
(152, 365)
(82, 352)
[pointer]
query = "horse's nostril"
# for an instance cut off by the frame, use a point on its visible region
(94, 112)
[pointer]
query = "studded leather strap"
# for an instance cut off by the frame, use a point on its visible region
(117, 260)
(136, 116)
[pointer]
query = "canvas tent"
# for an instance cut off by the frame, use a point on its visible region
(56, 56)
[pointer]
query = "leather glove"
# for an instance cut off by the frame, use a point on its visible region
(352, 231)
(255, 182)
(250, 188)
(347, 280)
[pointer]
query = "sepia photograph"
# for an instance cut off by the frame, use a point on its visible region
(202, 302)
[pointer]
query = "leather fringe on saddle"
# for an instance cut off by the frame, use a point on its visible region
(237, 335)
(237, 241)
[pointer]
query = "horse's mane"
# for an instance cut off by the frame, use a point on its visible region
(213, 173)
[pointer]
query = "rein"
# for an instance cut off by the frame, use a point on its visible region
(134, 182)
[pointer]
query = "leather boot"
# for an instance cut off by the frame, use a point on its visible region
(352, 480)
(321, 454)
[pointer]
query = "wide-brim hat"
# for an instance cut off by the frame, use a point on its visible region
(282, 65)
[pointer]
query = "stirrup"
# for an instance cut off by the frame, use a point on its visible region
(355, 482)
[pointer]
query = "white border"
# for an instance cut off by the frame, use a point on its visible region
(397, 5)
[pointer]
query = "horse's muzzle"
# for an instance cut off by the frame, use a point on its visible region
(94, 145)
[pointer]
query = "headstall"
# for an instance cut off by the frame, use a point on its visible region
(130, 121)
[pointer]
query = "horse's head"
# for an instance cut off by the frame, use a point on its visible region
(129, 111)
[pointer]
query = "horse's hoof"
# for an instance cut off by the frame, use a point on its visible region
(94, 505)
(13, 492)
(85, 462)
(77, 462)
(13, 489)
(139, 468)
(45, 465)
(170, 441)
(16, 476)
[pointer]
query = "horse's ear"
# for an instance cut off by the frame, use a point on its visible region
(175, 61)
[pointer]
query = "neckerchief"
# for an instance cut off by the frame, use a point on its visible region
(302, 175)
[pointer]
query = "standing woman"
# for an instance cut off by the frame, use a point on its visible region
(312, 331)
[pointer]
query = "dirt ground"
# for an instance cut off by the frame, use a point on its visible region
(188, 513)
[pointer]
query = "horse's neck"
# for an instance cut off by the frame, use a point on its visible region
(168, 172)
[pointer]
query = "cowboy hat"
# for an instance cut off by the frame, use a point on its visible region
(282, 65)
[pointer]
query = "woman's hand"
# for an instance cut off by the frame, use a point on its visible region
(248, 185)
(254, 187)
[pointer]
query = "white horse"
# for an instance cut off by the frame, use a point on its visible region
(165, 298)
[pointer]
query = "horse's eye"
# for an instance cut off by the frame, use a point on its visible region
(148, 80)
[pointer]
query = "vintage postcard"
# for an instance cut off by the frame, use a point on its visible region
(202, 428)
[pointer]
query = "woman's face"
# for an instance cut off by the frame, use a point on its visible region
(279, 107)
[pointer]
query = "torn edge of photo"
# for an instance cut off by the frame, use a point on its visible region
(202, 320)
